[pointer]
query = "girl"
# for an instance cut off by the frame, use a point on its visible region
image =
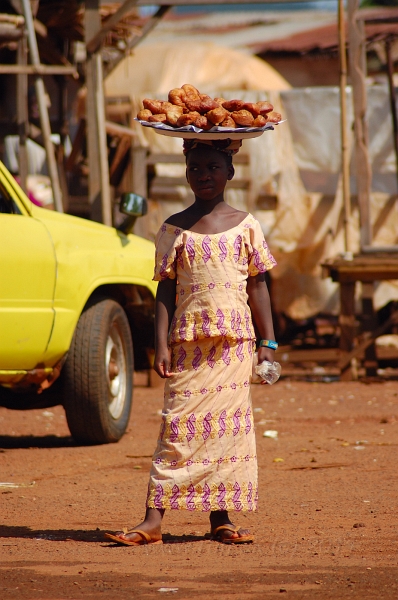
(210, 264)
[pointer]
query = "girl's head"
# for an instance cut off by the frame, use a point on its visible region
(208, 167)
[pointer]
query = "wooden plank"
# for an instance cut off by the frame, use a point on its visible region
(347, 324)
(369, 324)
(136, 39)
(345, 361)
(94, 44)
(39, 70)
(43, 112)
(99, 189)
(22, 114)
(121, 151)
(119, 130)
(357, 56)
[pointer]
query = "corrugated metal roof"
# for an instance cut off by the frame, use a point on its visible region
(379, 25)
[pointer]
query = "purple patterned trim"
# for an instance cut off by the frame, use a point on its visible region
(190, 497)
(174, 498)
(205, 497)
(205, 323)
(197, 358)
(237, 248)
(191, 427)
(222, 423)
(174, 429)
(236, 497)
(222, 244)
(225, 352)
(181, 358)
(210, 357)
(221, 497)
(206, 245)
(207, 426)
(236, 420)
(190, 247)
(159, 493)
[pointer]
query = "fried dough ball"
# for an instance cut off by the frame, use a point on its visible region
(264, 107)
(243, 118)
(233, 105)
(220, 101)
(202, 105)
(155, 106)
(217, 115)
(202, 122)
(187, 119)
(252, 108)
(177, 96)
(228, 122)
(157, 118)
(274, 117)
(173, 114)
(191, 92)
(260, 121)
(144, 114)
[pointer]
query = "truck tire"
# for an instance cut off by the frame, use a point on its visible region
(98, 375)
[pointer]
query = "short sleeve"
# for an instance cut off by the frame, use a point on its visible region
(260, 258)
(165, 253)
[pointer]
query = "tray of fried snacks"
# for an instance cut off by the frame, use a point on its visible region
(187, 113)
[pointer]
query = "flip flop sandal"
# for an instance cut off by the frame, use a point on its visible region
(146, 538)
(216, 535)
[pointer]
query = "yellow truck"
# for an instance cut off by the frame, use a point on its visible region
(76, 314)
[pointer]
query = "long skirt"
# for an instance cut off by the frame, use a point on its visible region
(205, 457)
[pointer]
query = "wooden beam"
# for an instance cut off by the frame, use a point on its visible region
(345, 154)
(393, 98)
(39, 70)
(43, 112)
(119, 130)
(219, 2)
(357, 58)
(136, 39)
(94, 44)
(99, 188)
(22, 114)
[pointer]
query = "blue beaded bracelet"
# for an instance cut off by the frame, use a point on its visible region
(268, 344)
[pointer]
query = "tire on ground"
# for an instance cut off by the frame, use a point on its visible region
(98, 375)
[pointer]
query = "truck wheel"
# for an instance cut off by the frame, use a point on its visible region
(98, 375)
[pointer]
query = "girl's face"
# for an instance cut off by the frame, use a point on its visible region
(208, 172)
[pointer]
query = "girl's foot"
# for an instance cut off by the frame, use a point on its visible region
(223, 530)
(147, 532)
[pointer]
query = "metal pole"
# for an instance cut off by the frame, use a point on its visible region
(43, 112)
(345, 157)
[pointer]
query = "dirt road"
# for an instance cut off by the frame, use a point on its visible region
(326, 526)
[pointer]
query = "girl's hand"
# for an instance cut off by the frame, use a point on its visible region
(264, 353)
(162, 363)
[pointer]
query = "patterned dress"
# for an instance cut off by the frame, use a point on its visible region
(205, 457)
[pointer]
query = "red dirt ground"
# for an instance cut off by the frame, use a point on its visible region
(326, 526)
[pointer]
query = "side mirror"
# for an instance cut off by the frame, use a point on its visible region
(133, 206)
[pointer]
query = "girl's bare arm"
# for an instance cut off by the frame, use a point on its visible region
(260, 306)
(164, 310)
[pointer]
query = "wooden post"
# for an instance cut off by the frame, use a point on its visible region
(22, 114)
(357, 58)
(345, 155)
(99, 189)
(369, 324)
(42, 104)
(393, 98)
(347, 323)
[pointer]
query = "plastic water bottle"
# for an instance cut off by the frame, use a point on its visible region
(265, 371)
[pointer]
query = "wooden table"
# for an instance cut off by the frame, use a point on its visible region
(366, 268)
